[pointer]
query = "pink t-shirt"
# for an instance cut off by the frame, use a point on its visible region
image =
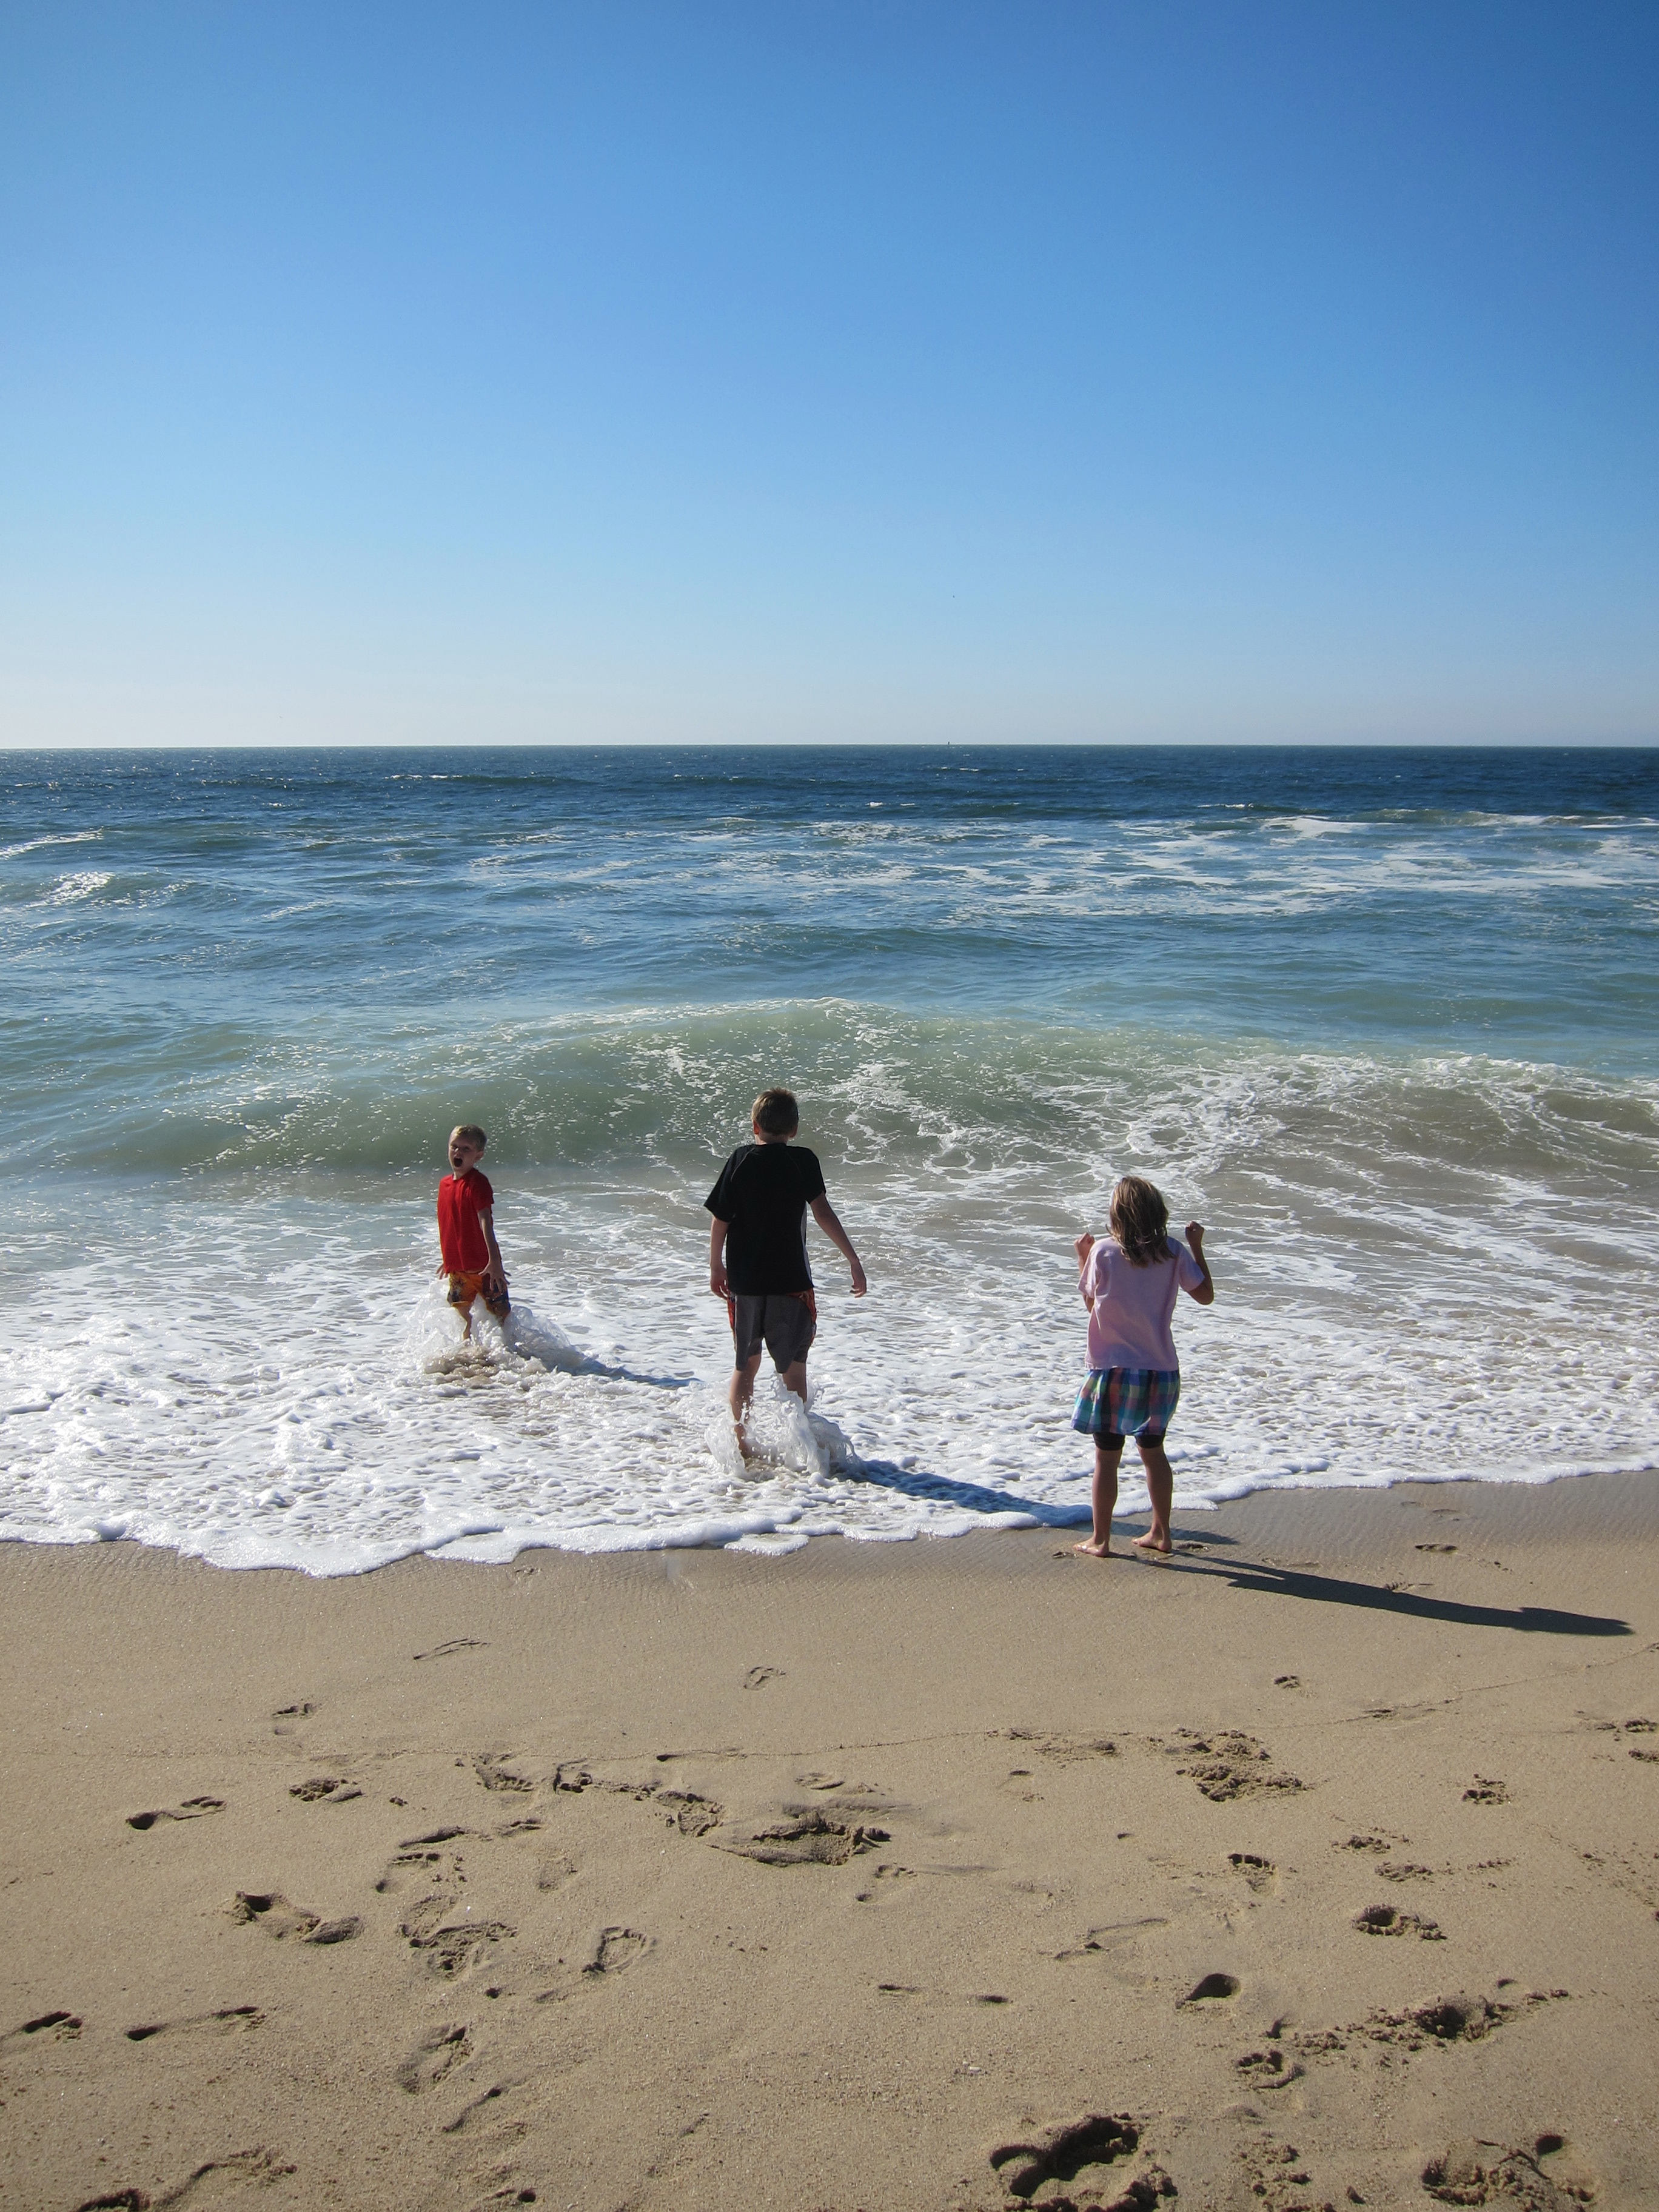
(1129, 1319)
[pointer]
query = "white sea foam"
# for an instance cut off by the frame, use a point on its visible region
(39, 844)
(69, 889)
(262, 1378)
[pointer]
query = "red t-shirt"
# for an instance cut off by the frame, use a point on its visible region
(461, 1200)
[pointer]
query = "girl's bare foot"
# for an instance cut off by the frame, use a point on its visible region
(1095, 1551)
(1151, 1541)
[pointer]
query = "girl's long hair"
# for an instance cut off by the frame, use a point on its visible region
(1140, 1221)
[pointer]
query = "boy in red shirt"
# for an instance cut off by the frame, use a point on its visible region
(466, 1230)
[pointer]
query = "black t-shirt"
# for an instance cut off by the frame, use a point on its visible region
(762, 1194)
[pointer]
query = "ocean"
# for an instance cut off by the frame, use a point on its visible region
(1386, 1021)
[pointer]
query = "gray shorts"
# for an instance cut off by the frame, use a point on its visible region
(785, 1323)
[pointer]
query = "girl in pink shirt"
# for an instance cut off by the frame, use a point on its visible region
(1129, 1281)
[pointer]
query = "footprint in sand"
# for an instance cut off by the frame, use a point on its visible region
(429, 1859)
(488, 1767)
(1485, 1791)
(614, 1950)
(271, 1910)
(1271, 2069)
(689, 1812)
(453, 1950)
(892, 1877)
(433, 2057)
(450, 1948)
(476, 2110)
(229, 2022)
(1259, 1874)
(1277, 2177)
(1449, 2020)
(813, 1838)
(47, 2028)
(455, 1643)
(758, 1677)
(1650, 1757)
(261, 2167)
(617, 1949)
(193, 1808)
(1214, 1989)
(1080, 2153)
(1112, 1936)
(1063, 1750)
(1228, 1764)
(1388, 1920)
(1479, 2172)
(324, 1789)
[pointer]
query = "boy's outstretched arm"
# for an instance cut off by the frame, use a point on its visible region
(718, 1281)
(1204, 1294)
(824, 1214)
(495, 1272)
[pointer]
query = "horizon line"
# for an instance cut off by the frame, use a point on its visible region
(1648, 744)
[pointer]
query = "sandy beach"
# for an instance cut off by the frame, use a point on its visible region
(1319, 1867)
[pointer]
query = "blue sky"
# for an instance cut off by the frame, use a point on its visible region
(1035, 371)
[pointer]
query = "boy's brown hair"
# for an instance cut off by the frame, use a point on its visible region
(472, 1132)
(776, 1114)
(1140, 1221)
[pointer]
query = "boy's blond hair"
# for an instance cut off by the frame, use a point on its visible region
(776, 1114)
(1140, 1221)
(471, 1132)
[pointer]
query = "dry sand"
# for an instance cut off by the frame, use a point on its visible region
(954, 1874)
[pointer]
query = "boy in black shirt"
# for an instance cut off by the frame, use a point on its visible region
(758, 1249)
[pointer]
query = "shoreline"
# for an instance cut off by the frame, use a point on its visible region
(818, 1880)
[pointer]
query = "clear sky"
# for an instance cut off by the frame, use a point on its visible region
(1032, 371)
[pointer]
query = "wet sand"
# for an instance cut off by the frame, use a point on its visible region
(960, 1875)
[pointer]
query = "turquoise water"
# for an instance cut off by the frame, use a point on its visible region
(1385, 1020)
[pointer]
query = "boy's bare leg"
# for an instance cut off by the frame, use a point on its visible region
(742, 1397)
(1160, 1488)
(794, 1379)
(1104, 1497)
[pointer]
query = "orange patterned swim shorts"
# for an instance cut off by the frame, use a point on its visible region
(463, 1289)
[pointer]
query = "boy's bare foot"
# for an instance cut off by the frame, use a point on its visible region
(1095, 1551)
(1149, 1542)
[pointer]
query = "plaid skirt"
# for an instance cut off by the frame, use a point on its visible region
(1127, 1402)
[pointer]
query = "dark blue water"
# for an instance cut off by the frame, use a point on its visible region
(165, 915)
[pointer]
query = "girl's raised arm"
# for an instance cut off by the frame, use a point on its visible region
(1204, 1294)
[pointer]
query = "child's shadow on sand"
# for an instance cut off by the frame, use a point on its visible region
(1332, 1589)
